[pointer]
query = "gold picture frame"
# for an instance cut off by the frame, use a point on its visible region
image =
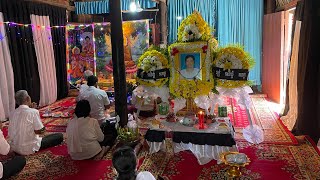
(198, 83)
(180, 53)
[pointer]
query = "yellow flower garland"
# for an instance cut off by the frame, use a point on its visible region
(164, 62)
(245, 58)
(197, 20)
(190, 89)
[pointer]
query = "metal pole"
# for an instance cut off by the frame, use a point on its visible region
(119, 73)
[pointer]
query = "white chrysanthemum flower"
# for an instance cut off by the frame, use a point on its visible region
(159, 65)
(235, 62)
(192, 32)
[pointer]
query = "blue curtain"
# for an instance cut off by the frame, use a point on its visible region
(99, 7)
(240, 21)
(183, 8)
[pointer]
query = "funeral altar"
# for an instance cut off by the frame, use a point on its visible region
(181, 90)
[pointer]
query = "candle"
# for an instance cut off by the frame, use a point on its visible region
(172, 105)
(201, 120)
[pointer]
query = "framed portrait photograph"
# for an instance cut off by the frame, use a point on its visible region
(190, 66)
(190, 61)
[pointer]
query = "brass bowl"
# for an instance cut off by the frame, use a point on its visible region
(234, 169)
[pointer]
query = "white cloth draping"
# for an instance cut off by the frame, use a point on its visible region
(7, 102)
(156, 146)
(290, 119)
(152, 92)
(241, 94)
(45, 58)
(212, 128)
(204, 153)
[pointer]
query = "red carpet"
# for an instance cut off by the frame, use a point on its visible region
(261, 115)
(268, 161)
(275, 159)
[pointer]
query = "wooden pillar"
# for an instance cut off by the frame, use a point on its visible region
(164, 22)
(270, 6)
(119, 73)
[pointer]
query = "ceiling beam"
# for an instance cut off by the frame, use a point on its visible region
(52, 3)
(288, 6)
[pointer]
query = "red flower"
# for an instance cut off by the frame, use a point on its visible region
(174, 51)
(204, 49)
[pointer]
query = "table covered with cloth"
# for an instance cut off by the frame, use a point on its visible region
(205, 144)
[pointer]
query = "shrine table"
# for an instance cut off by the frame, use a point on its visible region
(206, 144)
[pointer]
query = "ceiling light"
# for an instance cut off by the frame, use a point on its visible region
(133, 6)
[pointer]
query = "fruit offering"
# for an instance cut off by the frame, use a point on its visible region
(128, 134)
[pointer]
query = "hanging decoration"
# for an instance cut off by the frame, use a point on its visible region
(33, 26)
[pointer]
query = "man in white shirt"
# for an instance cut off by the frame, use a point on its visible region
(25, 127)
(84, 87)
(99, 102)
(190, 72)
(12, 166)
(97, 98)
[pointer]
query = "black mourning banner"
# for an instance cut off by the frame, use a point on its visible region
(232, 74)
(154, 75)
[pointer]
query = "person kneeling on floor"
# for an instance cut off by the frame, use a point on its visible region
(12, 166)
(124, 160)
(25, 127)
(84, 135)
(99, 102)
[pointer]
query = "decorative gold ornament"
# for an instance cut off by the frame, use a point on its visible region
(234, 168)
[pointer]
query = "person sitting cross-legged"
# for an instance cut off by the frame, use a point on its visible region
(25, 127)
(84, 87)
(99, 102)
(12, 166)
(97, 98)
(84, 135)
(124, 160)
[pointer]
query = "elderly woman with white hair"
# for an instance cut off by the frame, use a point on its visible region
(25, 127)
